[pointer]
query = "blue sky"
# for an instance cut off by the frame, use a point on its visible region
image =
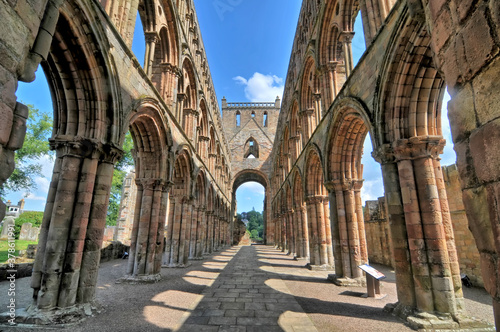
(248, 45)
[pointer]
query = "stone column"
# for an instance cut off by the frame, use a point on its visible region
(317, 107)
(308, 124)
(346, 38)
(193, 231)
(305, 232)
(95, 229)
(373, 13)
(297, 226)
(169, 73)
(314, 247)
(148, 232)
(405, 286)
(201, 233)
(177, 244)
(65, 269)
(332, 79)
(435, 289)
(180, 107)
(151, 39)
(291, 233)
(358, 201)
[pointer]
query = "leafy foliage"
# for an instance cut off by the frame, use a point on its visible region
(119, 174)
(36, 146)
(255, 224)
(33, 217)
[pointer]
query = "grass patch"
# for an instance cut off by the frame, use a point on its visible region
(20, 245)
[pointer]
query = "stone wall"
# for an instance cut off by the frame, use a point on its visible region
(379, 241)
(378, 238)
(468, 255)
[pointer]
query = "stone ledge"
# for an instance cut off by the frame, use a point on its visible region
(425, 321)
(347, 282)
(324, 267)
(61, 317)
(140, 279)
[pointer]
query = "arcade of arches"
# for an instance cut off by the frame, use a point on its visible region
(307, 148)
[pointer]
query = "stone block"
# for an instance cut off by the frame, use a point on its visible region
(485, 152)
(25, 231)
(18, 131)
(8, 223)
(486, 97)
(435, 7)
(443, 27)
(478, 51)
(468, 177)
(479, 218)
(461, 113)
(6, 118)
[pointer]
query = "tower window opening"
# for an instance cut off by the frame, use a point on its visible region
(238, 119)
(265, 119)
(253, 114)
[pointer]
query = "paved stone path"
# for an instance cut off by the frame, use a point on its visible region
(246, 297)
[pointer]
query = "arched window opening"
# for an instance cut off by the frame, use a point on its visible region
(238, 119)
(251, 148)
(253, 114)
(31, 179)
(265, 119)
(358, 40)
(139, 41)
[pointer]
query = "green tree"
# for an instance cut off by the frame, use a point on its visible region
(255, 223)
(36, 146)
(33, 217)
(254, 234)
(119, 175)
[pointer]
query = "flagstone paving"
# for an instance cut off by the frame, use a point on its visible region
(246, 297)
(249, 288)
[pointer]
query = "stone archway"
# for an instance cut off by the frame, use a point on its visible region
(250, 175)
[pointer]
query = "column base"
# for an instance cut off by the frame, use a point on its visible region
(347, 282)
(181, 266)
(140, 279)
(26, 317)
(324, 267)
(436, 321)
(196, 258)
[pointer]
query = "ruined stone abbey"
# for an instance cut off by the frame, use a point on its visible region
(305, 149)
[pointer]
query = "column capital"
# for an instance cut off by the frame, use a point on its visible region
(307, 112)
(419, 147)
(346, 36)
(384, 154)
(151, 37)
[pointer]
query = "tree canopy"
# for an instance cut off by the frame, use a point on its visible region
(255, 223)
(28, 158)
(119, 174)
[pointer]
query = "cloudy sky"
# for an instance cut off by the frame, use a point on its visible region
(248, 45)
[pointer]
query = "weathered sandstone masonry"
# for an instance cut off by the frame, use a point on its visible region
(416, 48)
(184, 166)
(379, 240)
(100, 92)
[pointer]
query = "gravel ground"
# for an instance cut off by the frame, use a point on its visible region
(166, 305)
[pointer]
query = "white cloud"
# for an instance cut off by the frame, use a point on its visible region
(43, 185)
(33, 197)
(252, 187)
(372, 189)
(261, 87)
